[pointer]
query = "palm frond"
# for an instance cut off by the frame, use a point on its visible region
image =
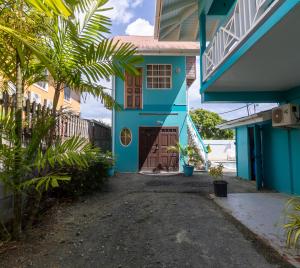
(106, 59)
(51, 7)
(94, 25)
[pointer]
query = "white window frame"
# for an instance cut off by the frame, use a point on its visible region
(35, 97)
(159, 76)
(46, 83)
(67, 100)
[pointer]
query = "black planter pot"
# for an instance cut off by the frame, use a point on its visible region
(220, 188)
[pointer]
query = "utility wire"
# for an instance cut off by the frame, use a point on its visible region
(246, 106)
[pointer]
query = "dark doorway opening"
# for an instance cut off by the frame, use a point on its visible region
(252, 153)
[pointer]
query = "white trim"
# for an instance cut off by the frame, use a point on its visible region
(39, 87)
(113, 114)
(130, 135)
(248, 120)
(169, 52)
(68, 100)
(186, 87)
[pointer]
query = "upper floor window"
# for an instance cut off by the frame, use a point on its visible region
(159, 76)
(43, 84)
(34, 97)
(67, 93)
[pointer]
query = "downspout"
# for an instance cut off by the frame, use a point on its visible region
(262, 157)
(113, 114)
(290, 162)
(236, 151)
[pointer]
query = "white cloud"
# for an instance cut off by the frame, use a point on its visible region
(92, 108)
(140, 27)
(136, 3)
(122, 10)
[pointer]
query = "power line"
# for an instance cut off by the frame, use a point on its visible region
(246, 106)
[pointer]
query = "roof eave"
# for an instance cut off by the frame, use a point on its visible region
(169, 52)
(248, 120)
(157, 18)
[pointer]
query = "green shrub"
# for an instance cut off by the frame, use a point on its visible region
(292, 225)
(84, 181)
(216, 172)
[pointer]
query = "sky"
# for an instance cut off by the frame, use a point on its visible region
(136, 17)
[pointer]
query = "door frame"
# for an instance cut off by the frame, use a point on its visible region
(257, 163)
(160, 127)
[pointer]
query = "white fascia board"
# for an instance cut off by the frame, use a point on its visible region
(169, 52)
(249, 120)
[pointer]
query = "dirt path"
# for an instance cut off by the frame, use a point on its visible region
(140, 221)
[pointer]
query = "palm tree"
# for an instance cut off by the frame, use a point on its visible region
(38, 166)
(16, 55)
(75, 51)
(81, 55)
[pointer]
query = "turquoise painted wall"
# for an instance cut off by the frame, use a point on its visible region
(278, 15)
(170, 104)
(295, 159)
(276, 160)
(242, 149)
(281, 157)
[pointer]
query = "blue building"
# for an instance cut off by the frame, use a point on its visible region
(154, 105)
(249, 54)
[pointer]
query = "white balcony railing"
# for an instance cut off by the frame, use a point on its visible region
(244, 18)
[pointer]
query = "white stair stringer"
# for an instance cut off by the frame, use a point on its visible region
(197, 141)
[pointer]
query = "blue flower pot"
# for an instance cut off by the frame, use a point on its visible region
(188, 170)
(110, 172)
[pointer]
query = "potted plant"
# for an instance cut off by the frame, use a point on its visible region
(110, 163)
(220, 186)
(189, 156)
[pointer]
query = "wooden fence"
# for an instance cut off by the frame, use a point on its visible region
(68, 124)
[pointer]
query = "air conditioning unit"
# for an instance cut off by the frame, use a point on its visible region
(286, 115)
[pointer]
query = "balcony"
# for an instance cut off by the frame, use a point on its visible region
(245, 18)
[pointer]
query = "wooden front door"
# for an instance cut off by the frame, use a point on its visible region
(153, 144)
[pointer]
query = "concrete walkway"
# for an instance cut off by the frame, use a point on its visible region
(263, 214)
(143, 221)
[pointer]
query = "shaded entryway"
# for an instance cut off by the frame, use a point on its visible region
(153, 148)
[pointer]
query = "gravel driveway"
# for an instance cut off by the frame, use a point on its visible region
(141, 221)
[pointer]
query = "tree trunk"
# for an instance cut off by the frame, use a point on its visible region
(54, 111)
(17, 201)
(56, 98)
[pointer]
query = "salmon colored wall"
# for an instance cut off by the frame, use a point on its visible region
(73, 104)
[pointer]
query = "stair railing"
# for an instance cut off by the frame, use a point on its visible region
(197, 137)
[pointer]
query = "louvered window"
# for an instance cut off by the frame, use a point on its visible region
(133, 91)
